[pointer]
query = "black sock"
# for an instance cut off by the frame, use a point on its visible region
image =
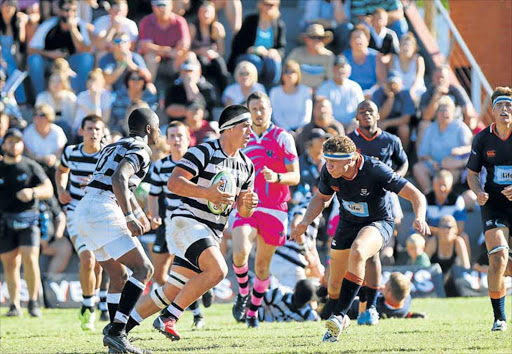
(131, 292)
(328, 308)
(112, 309)
(363, 291)
(498, 307)
(371, 297)
(131, 324)
(349, 288)
(85, 307)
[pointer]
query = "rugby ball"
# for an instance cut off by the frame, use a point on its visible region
(228, 186)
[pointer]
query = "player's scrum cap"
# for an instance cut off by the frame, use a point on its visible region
(13, 133)
(232, 116)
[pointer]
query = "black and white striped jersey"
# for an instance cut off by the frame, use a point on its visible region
(204, 162)
(291, 251)
(159, 175)
(81, 167)
(277, 306)
(134, 149)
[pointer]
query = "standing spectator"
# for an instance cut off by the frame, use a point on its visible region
(365, 62)
(446, 144)
(24, 183)
(411, 66)
(200, 129)
(116, 21)
(208, 36)
(44, 140)
(323, 119)
(291, 101)
(261, 41)
(343, 93)
(395, 108)
(382, 38)
(63, 101)
(189, 87)
(12, 36)
(164, 41)
(96, 100)
(233, 11)
(246, 76)
(314, 59)
(440, 87)
(136, 89)
(65, 36)
(117, 64)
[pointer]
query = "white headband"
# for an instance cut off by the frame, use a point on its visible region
(235, 120)
(339, 155)
(500, 99)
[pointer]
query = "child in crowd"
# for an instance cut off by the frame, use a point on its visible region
(415, 245)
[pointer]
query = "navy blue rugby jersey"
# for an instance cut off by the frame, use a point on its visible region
(364, 198)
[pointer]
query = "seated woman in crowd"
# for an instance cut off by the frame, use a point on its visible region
(411, 66)
(447, 248)
(246, 76)
(261, 41)
(446, 144)
(292, 102)
(136, 88)
(207, 36)
(367, 68)
(63, 101)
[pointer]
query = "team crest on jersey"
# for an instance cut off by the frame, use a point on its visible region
(491, 153)
(269, 153)
(364, 192)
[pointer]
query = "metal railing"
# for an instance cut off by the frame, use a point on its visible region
(466, 68)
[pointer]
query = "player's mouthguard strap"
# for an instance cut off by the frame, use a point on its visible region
(500, 99)
(235, 120)
(339, 155)
(497, 249)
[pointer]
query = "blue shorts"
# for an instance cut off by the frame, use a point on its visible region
(346, 233)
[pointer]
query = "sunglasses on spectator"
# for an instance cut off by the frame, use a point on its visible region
(316, 38)
(289, 72)
(269, 4)
(136, 78)
(446, 226)
(40, 115)
(161, 5)
(243, 73)
(120, 40)
(67, 9)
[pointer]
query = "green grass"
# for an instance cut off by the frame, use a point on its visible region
(459, 325)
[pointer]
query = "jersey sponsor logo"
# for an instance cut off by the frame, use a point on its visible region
(21, 177)
(503, 175)
(356, 208)
(364, 192)
(491, 153)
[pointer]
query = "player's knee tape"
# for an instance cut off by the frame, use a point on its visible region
(159, 298)
(497, 249)
(177, 280)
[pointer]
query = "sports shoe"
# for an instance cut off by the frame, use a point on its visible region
(104, 317)
(120, 344)
(14, 311)
(87, 320)
(329, 338)
(362, 318)
(499, 325)
(372, 316)
(33, 309)
(335, 326)
(239, 307)
(252, 322)
(166, 326)
(199, 322)
(106, 329)
(207, 298)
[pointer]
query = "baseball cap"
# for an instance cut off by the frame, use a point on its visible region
(318, 133)
(13, 133)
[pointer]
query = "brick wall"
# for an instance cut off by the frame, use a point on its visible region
(486, 26)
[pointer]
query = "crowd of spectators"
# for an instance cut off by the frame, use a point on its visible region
(109, 57)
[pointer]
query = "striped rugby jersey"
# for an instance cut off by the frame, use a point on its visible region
(204, 161)
(159, 174)
(277, 306)
(81, 167)
(135, 150)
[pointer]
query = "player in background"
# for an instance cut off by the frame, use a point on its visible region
(273, 152)
(77, 165)
(109, 219)
(366, 224)
(492, 149)
(372, 141)
(197, 224)
(178, 138)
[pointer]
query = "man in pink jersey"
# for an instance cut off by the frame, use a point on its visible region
(273, 153)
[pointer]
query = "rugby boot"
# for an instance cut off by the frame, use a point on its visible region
(239, 307)
(166, 326)
(199, 322)
(87, 320)
(120, 344)
(499, 325)
(335, 326)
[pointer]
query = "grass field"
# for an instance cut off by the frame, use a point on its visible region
(454, 326)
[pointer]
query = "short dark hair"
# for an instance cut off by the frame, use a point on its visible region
(140, 118)
(176, 124)
(362, 28)
(303, 293)
(91, 118)
(339, 143)
(258, 95)
(231, 112)
(66, 2)
(501, 91)
(127, 76)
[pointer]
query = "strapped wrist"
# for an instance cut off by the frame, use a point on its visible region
(129, 217)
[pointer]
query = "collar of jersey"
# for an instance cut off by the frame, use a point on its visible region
(359, 167)
(493, 131)
(260, 138)
(379, 132)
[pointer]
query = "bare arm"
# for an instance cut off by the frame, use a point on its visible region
(78, 39)
(234, 15)
(462, 252)
(317, 204)
(246, 203)
(430, 247)
(44, 190)
(61, 180)
(419, 205)
(290, 178)
(385, 110)
(476, 186)
(402, 170)
(339, 12)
